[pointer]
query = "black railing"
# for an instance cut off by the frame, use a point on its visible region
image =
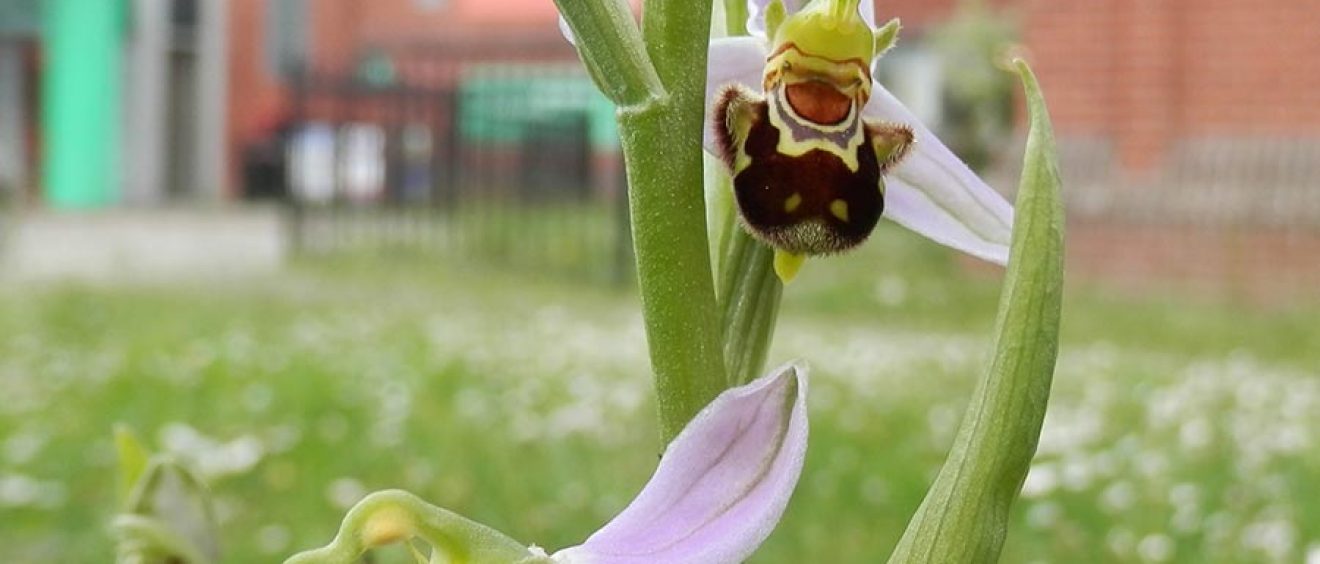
(507, 161)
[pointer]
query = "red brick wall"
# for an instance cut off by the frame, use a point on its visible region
(1251, 67)
(1147, 73)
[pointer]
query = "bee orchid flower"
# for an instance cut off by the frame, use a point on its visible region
(807, 133)
(720, 488)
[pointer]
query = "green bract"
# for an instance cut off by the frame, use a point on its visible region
(964, 517)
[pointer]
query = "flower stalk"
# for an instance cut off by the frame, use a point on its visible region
(964, 517)
(662, 140)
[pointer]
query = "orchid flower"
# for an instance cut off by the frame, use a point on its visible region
(927, 189)
(719, 490)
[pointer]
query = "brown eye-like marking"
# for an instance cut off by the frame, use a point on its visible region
(818, 102)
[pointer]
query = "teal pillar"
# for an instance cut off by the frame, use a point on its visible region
(80, 102)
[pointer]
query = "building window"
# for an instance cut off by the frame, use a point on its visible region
(286, 36)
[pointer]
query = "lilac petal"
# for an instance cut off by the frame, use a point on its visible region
(566, 31)
(721, 486)
(932, 191)
(732, 60)
(756, 13)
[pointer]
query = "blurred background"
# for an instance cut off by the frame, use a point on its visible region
(323, 247)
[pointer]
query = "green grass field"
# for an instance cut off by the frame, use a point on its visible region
(1179, 431)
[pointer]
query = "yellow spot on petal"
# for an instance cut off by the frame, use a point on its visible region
(792, 203)
(387, 526)
(787, 265)
(840, 210)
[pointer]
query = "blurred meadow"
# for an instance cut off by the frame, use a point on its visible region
(318, 248)
(1179, 431)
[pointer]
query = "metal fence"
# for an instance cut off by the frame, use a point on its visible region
(502, 153)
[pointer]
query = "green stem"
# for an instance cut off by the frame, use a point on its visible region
(661, 99)
(749, 298)
(662, 148)
(964, 517)
(673, 265)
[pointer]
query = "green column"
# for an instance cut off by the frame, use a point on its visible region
(80, 102)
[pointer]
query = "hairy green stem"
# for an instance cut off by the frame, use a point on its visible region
(964, 517)
(662, 148)
(673, 265)
(661, 99)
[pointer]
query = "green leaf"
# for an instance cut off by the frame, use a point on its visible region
(964, 517)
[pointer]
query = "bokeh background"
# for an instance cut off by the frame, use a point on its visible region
(317, 248)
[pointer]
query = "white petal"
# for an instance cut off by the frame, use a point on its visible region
(721, 486)
(932, 191)
(731, 60)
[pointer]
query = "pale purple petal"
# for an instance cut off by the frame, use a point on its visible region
(721, 486)
(731, 60)
(868, 12)
(932, 191)
(566, 31)
(756, 13)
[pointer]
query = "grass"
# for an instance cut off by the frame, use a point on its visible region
(1179, 431)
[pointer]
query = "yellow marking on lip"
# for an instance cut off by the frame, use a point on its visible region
(840, 210)
(792, 203)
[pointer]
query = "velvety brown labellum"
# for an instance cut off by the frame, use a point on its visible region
(810, 204)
